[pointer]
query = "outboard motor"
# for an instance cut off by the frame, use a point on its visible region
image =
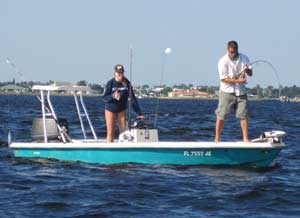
(274, 136)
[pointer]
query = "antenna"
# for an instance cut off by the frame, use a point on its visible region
(130, 89)
(167, 51)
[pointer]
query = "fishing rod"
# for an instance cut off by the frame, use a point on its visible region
(167, 51)
(130, 89)
(270, 65)
(8, 61)
(4, 143)
(61, 130)
(17, 71)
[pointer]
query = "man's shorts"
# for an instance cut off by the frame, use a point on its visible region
(229, 102)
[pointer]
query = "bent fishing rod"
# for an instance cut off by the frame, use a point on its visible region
(256, 62)
(242, 73)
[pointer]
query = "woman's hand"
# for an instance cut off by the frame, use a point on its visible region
(140, 117)
(117, 95)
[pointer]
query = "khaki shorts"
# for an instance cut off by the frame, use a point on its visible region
(229, 102)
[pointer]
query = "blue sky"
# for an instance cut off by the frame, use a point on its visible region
(72, 40)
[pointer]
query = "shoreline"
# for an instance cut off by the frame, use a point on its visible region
(52, 94)
(100, 95)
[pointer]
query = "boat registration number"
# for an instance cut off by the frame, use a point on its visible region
(197, 153)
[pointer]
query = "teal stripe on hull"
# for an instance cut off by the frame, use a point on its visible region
(232, 156)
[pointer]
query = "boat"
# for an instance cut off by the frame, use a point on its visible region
(138, 144)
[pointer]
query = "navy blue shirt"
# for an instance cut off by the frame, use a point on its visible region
(124, 88)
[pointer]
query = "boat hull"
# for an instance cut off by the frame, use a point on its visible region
(254, 156)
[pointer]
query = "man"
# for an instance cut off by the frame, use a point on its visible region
(233, 68)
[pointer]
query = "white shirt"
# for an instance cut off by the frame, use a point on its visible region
(231, 69)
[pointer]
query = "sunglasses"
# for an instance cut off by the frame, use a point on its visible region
(233, 52)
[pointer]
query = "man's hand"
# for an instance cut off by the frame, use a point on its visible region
(241, 79)
(247, 69)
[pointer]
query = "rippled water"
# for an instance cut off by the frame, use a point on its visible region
(51, 188)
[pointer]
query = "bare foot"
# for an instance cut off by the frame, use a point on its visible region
(216, 140)
(247, 141)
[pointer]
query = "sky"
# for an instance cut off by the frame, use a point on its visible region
(73, 40)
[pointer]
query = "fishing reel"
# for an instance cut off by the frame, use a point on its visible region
(138, 124)
(145, 123)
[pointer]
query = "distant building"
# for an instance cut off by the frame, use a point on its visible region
(158, 89)
(13, 88)
(188, 93)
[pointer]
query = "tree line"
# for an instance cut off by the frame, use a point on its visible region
(260, 92)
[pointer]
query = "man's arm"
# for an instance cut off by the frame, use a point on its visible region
(233, 81)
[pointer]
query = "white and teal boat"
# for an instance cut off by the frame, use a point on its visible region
(140, 144)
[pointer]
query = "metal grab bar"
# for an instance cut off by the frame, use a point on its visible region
(87, 116)
(44, 116)
(61, 131)
(79, 115)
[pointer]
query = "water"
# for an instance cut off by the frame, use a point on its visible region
(51, 188)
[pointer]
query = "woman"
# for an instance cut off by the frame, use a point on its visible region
(115, 97)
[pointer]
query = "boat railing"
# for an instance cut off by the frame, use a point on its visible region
(81, 109)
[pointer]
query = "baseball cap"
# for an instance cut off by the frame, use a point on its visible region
(119, 68)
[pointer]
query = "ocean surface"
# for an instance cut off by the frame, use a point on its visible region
(52, 188)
